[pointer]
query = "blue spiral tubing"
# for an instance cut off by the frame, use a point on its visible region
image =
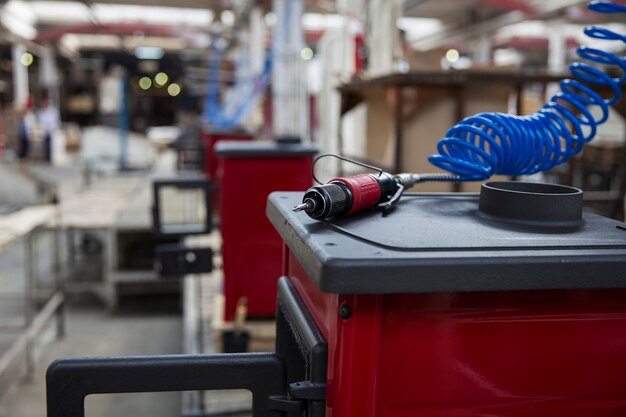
(496, 143)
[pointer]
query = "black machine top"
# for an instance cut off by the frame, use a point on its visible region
(443, 243)
(263, 149)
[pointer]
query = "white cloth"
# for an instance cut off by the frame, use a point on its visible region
(49, 119)
(110, 95)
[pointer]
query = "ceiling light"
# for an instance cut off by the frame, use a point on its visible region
(167, 43)
(149, 52)
(161, 79)
(91, 41)
(306, 54)
(17, 17)
(171, 16)
(270, 19)
(452, 55)
(227, 17)
(27, 59)
(145, 83)
(173, 89)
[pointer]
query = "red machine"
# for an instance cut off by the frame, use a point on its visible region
(512, 306)
(210, 138)
(252, 250)
(509, 305)
(210, 162)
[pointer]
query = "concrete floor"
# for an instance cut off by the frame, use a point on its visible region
(139, 327)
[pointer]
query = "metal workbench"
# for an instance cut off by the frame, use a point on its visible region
(40, 306)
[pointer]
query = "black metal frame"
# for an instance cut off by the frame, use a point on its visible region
(291, 382)
(181, 183)
(69, 381)
(304, 350)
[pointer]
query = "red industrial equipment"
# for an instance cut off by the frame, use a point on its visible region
(513, 306)
(210, 163)
(252, 250)
(508, 304)
(210, 138)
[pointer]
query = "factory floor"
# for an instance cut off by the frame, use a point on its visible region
(148, 325)
(141, 326)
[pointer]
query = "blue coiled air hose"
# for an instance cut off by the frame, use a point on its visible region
(497, 143)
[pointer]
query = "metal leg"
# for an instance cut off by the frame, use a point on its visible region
(109, 265)
(71, 248)
(29, 307)
(191, 401)
(59, 281)
(199, 335)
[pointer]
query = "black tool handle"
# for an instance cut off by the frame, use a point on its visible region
(69, 381)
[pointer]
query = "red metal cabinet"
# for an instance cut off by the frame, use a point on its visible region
(210, 162)
(472, 354)
(423, 317)
(252, 250)
(210, 138)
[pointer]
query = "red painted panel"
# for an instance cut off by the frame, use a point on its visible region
(322, 306)
(210, 162)
(513, 354)
(507, 354)
(252, 249)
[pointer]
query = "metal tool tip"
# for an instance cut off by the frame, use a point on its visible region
(307, 205)
(301, 207)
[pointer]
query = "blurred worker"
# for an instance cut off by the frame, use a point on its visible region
(26, 127)
(111, 96)
(49, 122)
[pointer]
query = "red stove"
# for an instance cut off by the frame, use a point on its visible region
(252, 250)
(210, 138)
(509, 304)
(210, 162)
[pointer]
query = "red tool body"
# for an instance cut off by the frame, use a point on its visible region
(346, 196)
(366, 191)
